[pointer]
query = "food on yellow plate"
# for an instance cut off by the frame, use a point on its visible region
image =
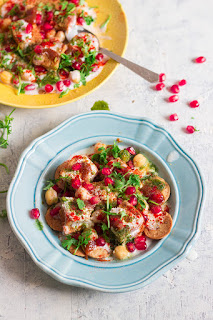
(43, 48)
(108, 204)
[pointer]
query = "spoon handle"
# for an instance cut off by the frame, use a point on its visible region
(141, 71)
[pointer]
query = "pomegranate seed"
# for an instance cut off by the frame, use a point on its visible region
(133, 200)
(76, 235)
(76, 183)
(64, 73)
(34, 213)
(95, 67)
(40, 69)
(67, 83)
(15, 80)
(182, 82)
(76, 2)
(88, 186)
(47, 26)
(30, 87)
(160, 86)
(94, 200)
(42, 34)
(100, 242)
(38, 18)
(98, 229)
(194, 104)
(130, 190)
(156, 209)
(76, 65)
(48, 88)
(173, 98)
(55, 211)
(99, 57)
(60, 86)
(57, 189)
(8, 49)
(190, 129)
(140, 243)
(76, 166)
(80, 20)
(67, 194)
(157, 197)
(175, 88)
(130, 246)
(130, 164)
(162, 77)
(200, 59)
(131, 150)
(49, 16)
(173, 117)
(106, 171)
(29, 28)
(38, 49)
(119, 201)
(108, 181)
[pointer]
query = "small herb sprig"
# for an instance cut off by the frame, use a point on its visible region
(83, 240)
(6, 129)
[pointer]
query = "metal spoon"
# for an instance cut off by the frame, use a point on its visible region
(146, 74)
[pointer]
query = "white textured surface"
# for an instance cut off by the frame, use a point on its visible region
(165, 36)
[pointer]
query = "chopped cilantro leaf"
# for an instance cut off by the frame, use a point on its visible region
(49, 184)
(64, 93)
(39, 225)
(3, 214)
(105, 23)
(5, 166)
(5, 125)
(81, 204)
(100, 105)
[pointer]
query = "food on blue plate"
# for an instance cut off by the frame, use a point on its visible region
(43, 48)
(108, 204)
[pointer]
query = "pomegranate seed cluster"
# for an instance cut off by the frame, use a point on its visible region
(107, 204)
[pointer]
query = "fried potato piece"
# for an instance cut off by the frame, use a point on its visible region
(79, 252)
(162, 230)
(96, 252)
(54, 222)
(156, 182)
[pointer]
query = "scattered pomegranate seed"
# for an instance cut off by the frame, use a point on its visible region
(194, 104)
(67, 194)
(160, 86)
(34, 213)
(38, 49)
(38, 18)
(49, 16)
(140, 243)
(60, 86)
(76, 166)
(30, 87)
(15, 80)
(155, 209)
(130, 164)
(80, 21)
(119, 201)
(131, 150)
(76, 65)
(99, 57)
(108, 181)
(100, 242)
(64, 73)
(162, 77)
(88, 186)
(40, 69)
(94, 200)
(57, 189)
(133, 200)
(95, 67)
(191, 129)
(67, 83)
(47, 26)
(130, 246)
(182, 82)
(130, 190)
(175, 88)
(173, 98)
(48, 88)
(106, 171)
(55, 211)
(76, 183)
(76, 2)
(43, 35)
(98, 229)
(8, 49)
(76, 235)
(157, 197)
(29, 28)
(200, 59)
(173, 117)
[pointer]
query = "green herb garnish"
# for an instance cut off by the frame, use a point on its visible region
(39, 225)
(3, 214)
(100, 105)
(5, 166)
(49, 184)
(81, 204)
(6, 129)
(83, 240)
(104, 25)
(64, 93)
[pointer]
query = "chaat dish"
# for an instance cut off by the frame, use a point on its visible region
(43, 46)
(108, 204)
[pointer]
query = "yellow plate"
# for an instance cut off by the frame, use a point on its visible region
(115, 40)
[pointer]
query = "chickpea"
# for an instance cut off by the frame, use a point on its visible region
(60, 36)
(51, 197)
(139, 160)
(120, 252)
(6, 77)
(27, 75)
(75, 76)
(51, 34)
(99, 145)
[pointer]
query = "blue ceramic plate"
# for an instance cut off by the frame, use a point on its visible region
(38, 164)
